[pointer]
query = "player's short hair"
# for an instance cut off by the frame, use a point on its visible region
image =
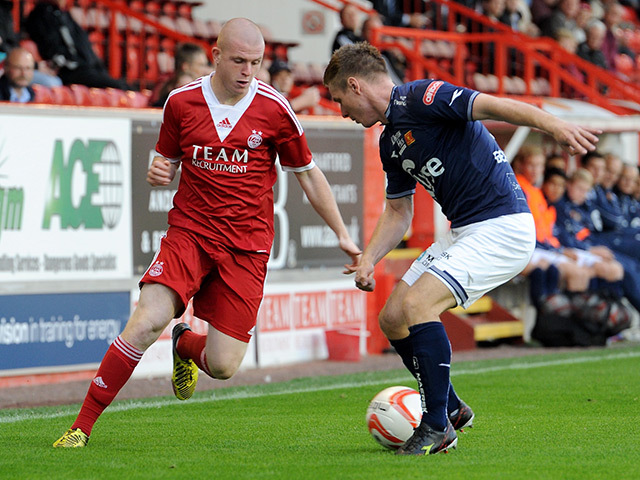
(354, 60)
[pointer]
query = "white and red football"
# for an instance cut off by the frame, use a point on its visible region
(393, 414)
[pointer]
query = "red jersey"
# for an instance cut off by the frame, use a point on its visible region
(228, 155)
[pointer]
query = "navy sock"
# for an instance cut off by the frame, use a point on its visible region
(404, 348)
(537, 285)
(552, 279)
(453, 403)
(432, 358)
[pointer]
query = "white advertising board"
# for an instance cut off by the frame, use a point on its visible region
(65, 194)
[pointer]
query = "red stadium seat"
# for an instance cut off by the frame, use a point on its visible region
(116, 97)
(63, 95)
(99, 97)
(81, 95)
(43, 94)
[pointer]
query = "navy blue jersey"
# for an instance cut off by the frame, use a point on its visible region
(609, 208)
(431, 139)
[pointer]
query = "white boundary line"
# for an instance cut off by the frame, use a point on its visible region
(220, 395)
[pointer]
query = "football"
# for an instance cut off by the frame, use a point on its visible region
(393, 414)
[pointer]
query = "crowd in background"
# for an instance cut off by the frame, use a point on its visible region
(587, 231)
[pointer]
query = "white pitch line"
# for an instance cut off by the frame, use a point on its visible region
(220, 395)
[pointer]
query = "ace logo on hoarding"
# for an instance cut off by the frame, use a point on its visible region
(85, 186)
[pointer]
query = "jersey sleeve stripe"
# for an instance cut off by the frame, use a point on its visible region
(406, 193)
(308, 166)
(470, 106)
(189, 86)
(273, 94)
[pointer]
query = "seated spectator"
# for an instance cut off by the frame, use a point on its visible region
(282, 80)
(393, 14)
(349, 18)
(590, 49)
(15, 84)
(563, 16)
(550, 266)
(612, 45)
(518, 16)
(567, 41)
(8, 37)
(606, 213)
(66, 46)
(541, 10)
(554, 185)
(574, 226)
(191, 62)
(625, 189)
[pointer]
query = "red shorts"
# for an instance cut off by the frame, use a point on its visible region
(226, 285)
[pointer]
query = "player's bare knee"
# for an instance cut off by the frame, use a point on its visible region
(223, 372)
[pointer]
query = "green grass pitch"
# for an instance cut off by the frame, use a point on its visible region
(563, 416)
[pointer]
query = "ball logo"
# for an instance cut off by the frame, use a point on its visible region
(156, 269)
(255, 139)
(430, 93)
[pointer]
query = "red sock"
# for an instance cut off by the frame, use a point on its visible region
(116, 368)
(191, 345)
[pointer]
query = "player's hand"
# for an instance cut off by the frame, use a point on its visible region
(575, 139)
(350, 248)
(364, 277)
(161, 172)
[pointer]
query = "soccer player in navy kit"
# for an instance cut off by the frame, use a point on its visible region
(432, 136)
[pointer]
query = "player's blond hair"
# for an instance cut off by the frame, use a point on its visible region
(353, 60)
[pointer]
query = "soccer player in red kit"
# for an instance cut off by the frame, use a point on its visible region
(226, 130)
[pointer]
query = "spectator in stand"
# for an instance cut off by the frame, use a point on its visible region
(349, 18)
(393, 14)
(15, 84)
(567, 41)
(8, 37)
(541, 10)
(395, 60)
(550, 266)
(574, 226)
(191, 62)
(590, 49)
(625, 189)
(282, 80)
(554, 185)
(66, 46)
(518, 16)
(493, 9)
(612, 45)
(608, 224)
(563, 16)
(556, 160)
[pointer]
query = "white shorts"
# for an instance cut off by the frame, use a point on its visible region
(474, 259)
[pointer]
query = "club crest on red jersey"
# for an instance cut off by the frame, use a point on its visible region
(255, 139)
(156, 269)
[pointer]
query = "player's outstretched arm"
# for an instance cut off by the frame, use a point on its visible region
(390, 229)
(575, 139)
(318, 191)
(161, 172)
